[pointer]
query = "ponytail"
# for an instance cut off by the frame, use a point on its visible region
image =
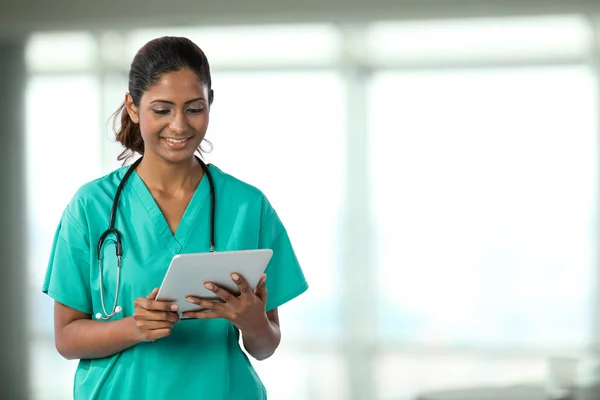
(128, 134)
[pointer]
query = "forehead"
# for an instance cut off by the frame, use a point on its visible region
(178, 85)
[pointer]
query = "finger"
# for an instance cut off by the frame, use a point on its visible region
(155, 305)
(201, 314)
(168, 316)
(149, 315)
(206, 304)
(219, 291)
(153, 294)
(242, 284)
(262, 282)
(262, 293)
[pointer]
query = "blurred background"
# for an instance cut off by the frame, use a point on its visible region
(435, 163)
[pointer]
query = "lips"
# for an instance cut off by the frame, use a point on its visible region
(173, 140)
(176, 143)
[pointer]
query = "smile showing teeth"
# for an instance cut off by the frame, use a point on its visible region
(175, 140)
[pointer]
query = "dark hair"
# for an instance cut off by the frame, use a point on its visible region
(154, 59)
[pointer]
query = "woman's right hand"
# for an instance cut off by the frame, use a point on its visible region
(154, 319)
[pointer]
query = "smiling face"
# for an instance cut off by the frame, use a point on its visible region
(172, 116)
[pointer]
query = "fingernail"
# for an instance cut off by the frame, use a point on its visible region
(209, 286)
(174, 307)
(235, 277)
(190, 300)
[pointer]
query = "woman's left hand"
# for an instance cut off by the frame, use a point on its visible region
(247, 311)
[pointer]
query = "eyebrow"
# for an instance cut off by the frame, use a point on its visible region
(170, 102)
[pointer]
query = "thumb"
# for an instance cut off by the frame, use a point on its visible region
(152, 295)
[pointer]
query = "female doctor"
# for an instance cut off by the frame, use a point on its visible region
(131, 346)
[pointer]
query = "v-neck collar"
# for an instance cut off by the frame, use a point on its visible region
(174, 242)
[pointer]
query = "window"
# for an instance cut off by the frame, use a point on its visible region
(247, 46)
(478, 199)
(61, 52)
(483, 190)
(62, 154)
(479, 40)
(114, 87)
(283, 132)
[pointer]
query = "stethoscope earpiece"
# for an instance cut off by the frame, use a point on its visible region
(118, 309)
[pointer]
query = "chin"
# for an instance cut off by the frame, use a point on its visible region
(175, 155)
(179, 157)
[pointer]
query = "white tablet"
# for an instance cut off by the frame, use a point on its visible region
(188, 273)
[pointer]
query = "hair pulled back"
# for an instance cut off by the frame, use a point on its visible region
(152, 61)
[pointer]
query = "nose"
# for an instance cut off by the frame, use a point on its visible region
(178, 123)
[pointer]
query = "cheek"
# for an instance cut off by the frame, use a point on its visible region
(200, 123)
(150, 125)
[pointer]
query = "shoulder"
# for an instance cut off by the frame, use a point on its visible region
(240, 191)
(232, 183)
(99, 188)
(94, 195)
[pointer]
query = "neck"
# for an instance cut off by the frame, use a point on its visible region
(167, 177)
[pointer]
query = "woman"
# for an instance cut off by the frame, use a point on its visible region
(142, 350)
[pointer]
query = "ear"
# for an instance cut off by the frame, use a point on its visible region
(131, 109)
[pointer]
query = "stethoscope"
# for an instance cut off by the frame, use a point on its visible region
(119, 244)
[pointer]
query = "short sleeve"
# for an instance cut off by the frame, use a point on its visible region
(285, 279)
(68, 275)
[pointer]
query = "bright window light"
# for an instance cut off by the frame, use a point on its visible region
(248, 45)
(527, 38)
(483, 187)
(61, 52)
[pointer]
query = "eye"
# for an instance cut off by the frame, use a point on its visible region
(161, 111)
(195, 110)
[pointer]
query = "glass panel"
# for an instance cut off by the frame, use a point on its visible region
(51, 375)
(247, 45)
(113, 88)
(293, 374)
(483, 189)
(422, 373)
(526, 38)
(283, 133)
(62, 154)
(61, 52)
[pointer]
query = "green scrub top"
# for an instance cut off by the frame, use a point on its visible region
(201, 359)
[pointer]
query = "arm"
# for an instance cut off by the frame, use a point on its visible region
(260, 330)
(77, 336)
(263, 344)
